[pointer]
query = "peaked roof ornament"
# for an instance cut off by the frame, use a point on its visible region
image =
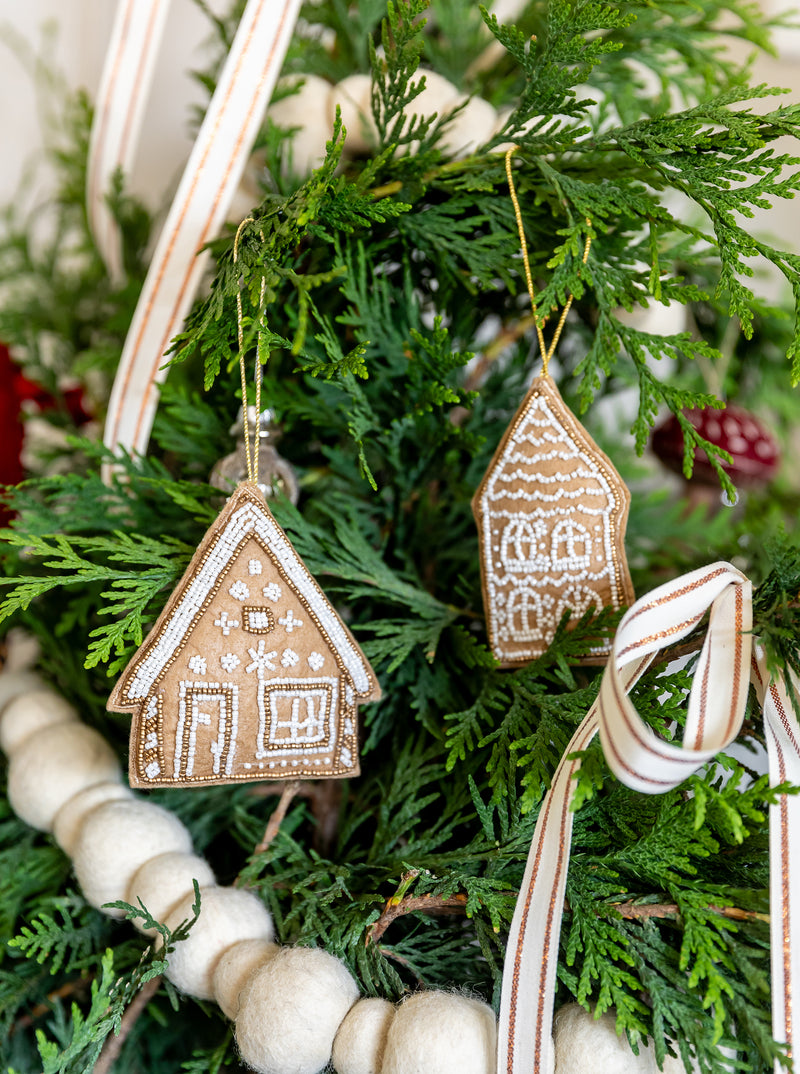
(551, 513)
(249, 672)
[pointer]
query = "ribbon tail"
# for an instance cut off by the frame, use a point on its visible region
(783, 746)
(525, 1040)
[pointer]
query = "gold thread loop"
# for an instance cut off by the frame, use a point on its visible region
(547, 353)
(251, 454)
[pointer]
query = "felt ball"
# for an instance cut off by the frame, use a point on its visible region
(291, 1009)
(117, 838)
(234, 968)
(49, 767)
(471, 127)
(68, 820)
(361, 1040)
(30, 711)
(14, 683)
(583, 1042)
(352, 95)
(306, 110)
(441, 1031)
(165, 880)
(227, 916)
(439, 96)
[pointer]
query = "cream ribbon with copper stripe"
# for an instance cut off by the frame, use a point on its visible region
(783, 747)
(209, 182)
(121, 98)
(651, 765)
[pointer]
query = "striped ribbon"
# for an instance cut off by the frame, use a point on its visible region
(639, 758)
(121, 98)
(204, 194)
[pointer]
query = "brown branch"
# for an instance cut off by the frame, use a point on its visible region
(422, 904)
(637, 911)
(324, 796)
(290, 790)
(69, 989)
(113, 1045)
(457, 904)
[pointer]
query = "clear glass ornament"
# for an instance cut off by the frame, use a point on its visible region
(275, 475)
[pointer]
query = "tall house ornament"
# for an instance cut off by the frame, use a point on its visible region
(551, 512)
(249, 672)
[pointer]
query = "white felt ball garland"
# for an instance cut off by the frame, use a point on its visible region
(294, 1008)
(228, 916)
(115, 839)
(441, 1031)
(69, 819)
(163, 881)
(48, 767)
(307, 993)
(361, 1041)
(234, 969)
(309, 112)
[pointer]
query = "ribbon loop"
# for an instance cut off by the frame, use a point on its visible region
(649, 764)
(635, 753)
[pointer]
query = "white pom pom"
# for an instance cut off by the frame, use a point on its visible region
(115, 839)
(441, 1031)
(352, 95)
(439, 97)
(361, 1040)
(473, 126)
(585, 1043)
(306, 109)
(29, 712)
(291, 1009)
(14, 683)
(227, 915)
(68, 820)
(52, 765)
(165, 880)
(234, 969)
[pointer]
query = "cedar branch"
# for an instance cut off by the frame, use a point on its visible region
(113, 1045)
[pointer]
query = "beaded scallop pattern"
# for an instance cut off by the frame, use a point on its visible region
(277, 714)
(551, 512)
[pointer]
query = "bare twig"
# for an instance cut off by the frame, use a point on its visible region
(290, 790)
(422, 904)
(637, 911)
(113, 1045)
(69, 989)
(457, 904)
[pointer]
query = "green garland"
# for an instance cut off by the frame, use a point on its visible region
(382, 281)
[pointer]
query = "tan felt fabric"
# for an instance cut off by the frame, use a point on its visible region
(249, 673)
(551, 513)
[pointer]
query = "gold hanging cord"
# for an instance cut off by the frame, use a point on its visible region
(251, 454)
(546, 354)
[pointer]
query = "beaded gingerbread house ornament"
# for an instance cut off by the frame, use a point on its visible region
(249, 672)
(551, 513)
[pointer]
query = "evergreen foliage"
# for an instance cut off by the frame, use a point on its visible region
(384, 278)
